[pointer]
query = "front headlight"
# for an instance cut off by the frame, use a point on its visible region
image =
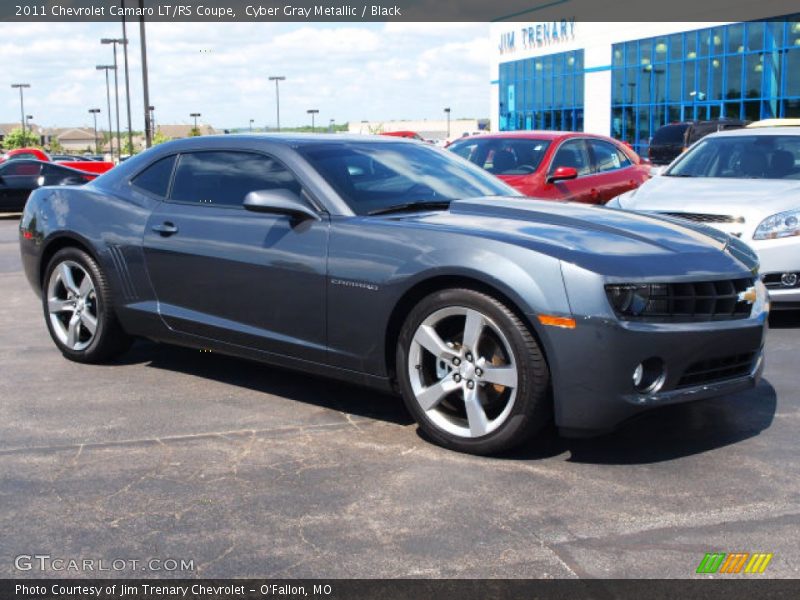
(781, 225)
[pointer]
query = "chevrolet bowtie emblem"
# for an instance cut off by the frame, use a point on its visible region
(749, 295)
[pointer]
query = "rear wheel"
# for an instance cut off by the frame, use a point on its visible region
(471, 373)
(78, 309)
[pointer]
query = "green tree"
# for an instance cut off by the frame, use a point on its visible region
(159, 138)
(16, 139)
(194, 132)
(55, 146)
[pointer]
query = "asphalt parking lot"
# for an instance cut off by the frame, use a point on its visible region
(250, 471)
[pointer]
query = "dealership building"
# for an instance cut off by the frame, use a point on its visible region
(627, 79)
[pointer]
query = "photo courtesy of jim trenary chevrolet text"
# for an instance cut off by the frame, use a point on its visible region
(402, 299)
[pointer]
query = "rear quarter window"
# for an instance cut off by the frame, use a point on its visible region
(155, 178)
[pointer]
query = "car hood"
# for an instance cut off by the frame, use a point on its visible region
(603, 240)
(714, 195)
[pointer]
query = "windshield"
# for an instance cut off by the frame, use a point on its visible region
(371, 176)
(742, 157)
(503, 156)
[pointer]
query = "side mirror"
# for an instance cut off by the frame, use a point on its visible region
(562, 174)
(279, 201)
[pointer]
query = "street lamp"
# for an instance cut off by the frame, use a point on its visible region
(127, 79)
(277, 79)
(251, 125)
(332, 125)
(21, 86)
(95, 112)
(148, 134)
(108, 68)
(114, 42)
(195, 115)
(447, 112)
(312, 112)
(151, 115)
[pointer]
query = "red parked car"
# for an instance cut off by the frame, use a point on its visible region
(557, 165)
(412, 135)
(90, 166)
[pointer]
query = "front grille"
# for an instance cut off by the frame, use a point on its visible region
(705, 218)
(717, 369)
(681, 302)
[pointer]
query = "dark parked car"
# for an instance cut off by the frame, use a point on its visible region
(398, 265)
(18, 178)
(670, 141)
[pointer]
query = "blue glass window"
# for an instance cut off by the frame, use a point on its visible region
(743, 70)
(545, 92)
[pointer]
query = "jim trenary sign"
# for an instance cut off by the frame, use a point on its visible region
(537, 35)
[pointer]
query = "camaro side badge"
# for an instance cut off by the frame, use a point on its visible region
(355, 284)
(749, 295)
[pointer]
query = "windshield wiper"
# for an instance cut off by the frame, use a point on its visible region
(678, 175)
(410, 206)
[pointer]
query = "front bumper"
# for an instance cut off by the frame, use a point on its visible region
(592, 366)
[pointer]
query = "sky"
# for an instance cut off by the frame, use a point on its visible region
(349, 72)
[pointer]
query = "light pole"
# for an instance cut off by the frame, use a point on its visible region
(150, 118)
(195, 115)
(277, 79)
(114, 42)
(251, 125)
(124, 41)
(108, 68)
(312, 112)
(331, 125)
(21, 86)
(447, 112)
(148, 134)
(94, 112)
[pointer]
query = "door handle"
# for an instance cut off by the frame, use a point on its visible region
(166, 228)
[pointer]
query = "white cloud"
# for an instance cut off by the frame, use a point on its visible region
(348, 71)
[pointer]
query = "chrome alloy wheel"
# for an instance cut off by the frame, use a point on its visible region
(463, 372)
(72, 305)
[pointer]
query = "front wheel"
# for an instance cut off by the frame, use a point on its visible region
(78, 309)
(471, 373)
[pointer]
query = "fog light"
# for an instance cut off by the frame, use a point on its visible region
(649, 375)
(789, 279)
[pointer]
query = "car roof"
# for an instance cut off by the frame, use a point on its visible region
(289, 139)
(539, 135)
(757, 131)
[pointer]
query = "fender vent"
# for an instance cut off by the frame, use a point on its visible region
(121, 267)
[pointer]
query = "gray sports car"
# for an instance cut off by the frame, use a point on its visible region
(397, 265)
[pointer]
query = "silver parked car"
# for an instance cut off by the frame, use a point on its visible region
(746, 183)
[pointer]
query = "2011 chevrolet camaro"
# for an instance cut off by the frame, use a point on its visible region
(394, 264)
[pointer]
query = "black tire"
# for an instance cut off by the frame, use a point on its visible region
(531, 408)
(108, 340)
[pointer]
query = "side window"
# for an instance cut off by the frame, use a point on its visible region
(572, 153)
(223, 178)
(22, 169)
(607, 157)
(155, 178)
